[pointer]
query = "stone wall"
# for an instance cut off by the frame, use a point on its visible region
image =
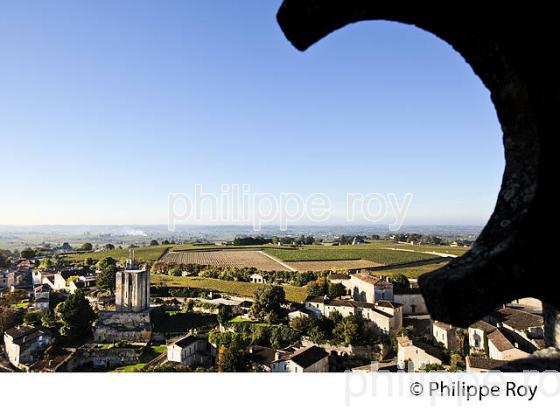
(94, 356)
(117, 326)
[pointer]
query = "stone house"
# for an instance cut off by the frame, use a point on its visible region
(261, 358)
(386, 316)
(42, 296)
(412, 301)
(501, 348)
(522, 327)
(257, 278)
(38, 275)
(312, 359)
(415, 355)
(478, 336)
(24, 345)
(367, 288)
(4, 275)
(482, 364)
(446, 335)
(191, 351)
(85, 283)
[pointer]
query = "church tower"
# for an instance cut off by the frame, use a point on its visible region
(132, 288)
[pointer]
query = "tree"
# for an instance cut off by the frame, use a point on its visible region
(109, 247)
(10, 318)
(46, 264)
(27, 253)
(300, 324)
(282, 336)
(433, 367)
(106, 262)
(336, 290)
(268, 300)
(153, 242)
(86, 247)
(347, 330)
(48, 320)
(261, 335)
(249, 240)
(176, 271)
(3, 261)
(33, 318)
(319, 287)
(231, 359)
(76, 315)
(400, 281)
(224, 314)
(55, 299)
(106, 278)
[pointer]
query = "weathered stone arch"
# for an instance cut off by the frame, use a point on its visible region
(513, 54)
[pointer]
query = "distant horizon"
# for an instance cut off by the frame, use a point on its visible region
(102, 122)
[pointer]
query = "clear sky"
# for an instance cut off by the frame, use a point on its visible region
(108, 106)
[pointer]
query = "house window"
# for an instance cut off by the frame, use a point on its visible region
(413, 308)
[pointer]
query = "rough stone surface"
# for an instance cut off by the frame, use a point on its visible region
(513, 58)
(118, 326)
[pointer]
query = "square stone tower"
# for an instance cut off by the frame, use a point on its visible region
(132, 288)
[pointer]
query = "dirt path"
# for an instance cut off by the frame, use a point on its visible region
(278, 261)
(165, 252)
(443, 255)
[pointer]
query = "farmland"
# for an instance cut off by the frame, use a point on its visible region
(225, 258)
(304, 258)
(411, 272)
(377, 255)
(144, 254)
(333, 265)
(247, 289)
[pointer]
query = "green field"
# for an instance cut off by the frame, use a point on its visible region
(412, 272)
(373, 251)
(145, 254)
(293, 293)
(211, 247)
(382, 256)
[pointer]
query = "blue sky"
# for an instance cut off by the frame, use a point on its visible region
(106, 107)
